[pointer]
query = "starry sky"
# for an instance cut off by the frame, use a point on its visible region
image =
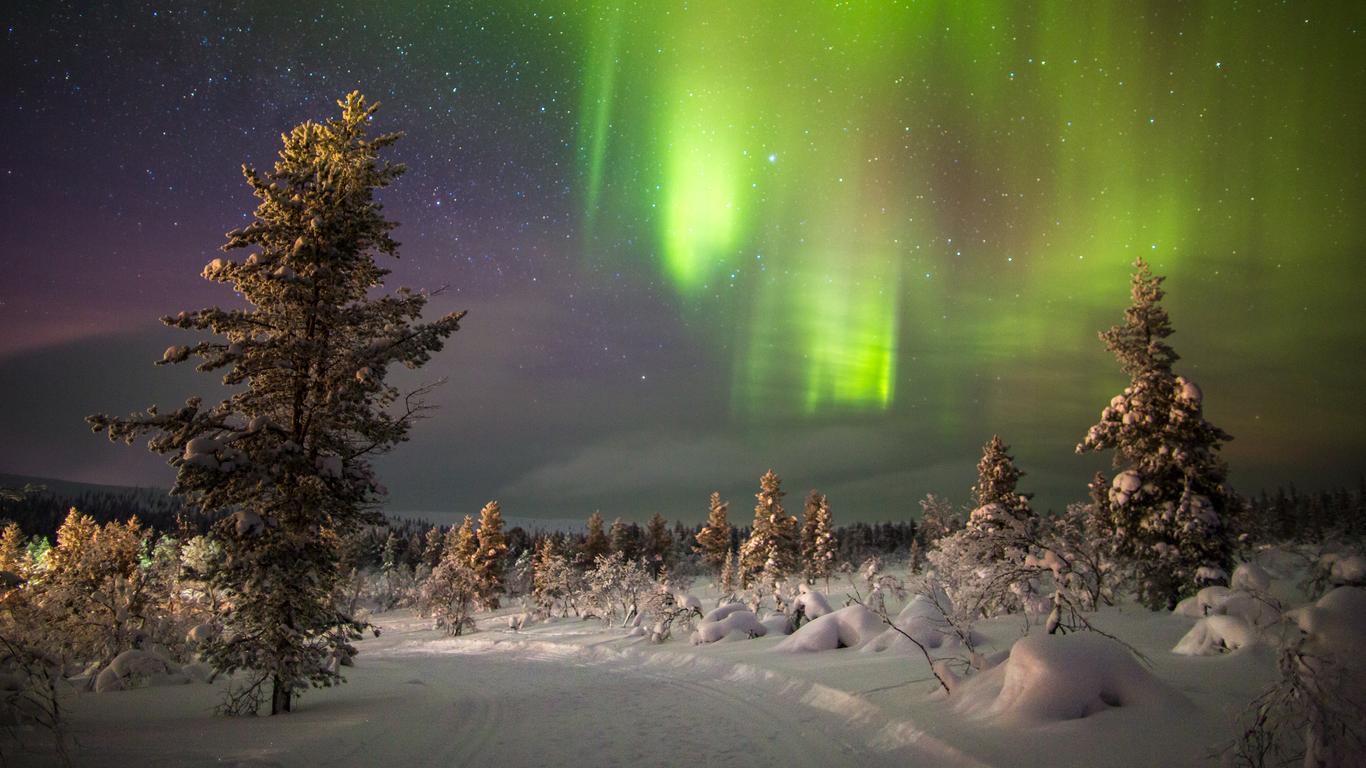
(849, 241)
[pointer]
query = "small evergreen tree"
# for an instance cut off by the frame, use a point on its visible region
(773, 547)
(995, 495)
(490, 552)
(729, 577)
(1168, 509)
(432, 546)
(713, 541)
(595, 544)
(13, 557)
(622, 539)
(659, 544)
(997, 477)
(288, 451)
(818, 538)
(462, 542)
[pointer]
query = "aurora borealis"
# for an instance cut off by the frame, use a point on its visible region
(847, 240)
(844, 167)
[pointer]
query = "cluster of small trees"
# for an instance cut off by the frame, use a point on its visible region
(1165, 524)
(69, 609)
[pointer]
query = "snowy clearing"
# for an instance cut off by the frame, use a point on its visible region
(573, 692)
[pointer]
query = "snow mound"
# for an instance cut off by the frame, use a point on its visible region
(1203, 603)
(1350, 570)
(134, 668)
(846, 628)
(201, 633)
(1336, 624)
(1213, 635)
(777, 623)
(923, 621)
(733, 620)
(1257, 611)
(813, 604)
(1250, 577)
(1052, 678)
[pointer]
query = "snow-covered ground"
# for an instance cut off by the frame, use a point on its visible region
(574, 692)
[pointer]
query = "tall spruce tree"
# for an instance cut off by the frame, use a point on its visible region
(289, 451)
(1168, 508)
(714, 540)
(772, 548)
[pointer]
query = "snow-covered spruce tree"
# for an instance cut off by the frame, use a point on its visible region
(995, 496)
(659, 544)
(288, 452)
(983, 565)
(817, 539)
(432, 546)
(13, 555)
(595, 544)
(461, 542)
(997, 477)
(1168, 509)
(772, 549)
(621, 538)
(729, 578)
(713, 541)
(491, 551)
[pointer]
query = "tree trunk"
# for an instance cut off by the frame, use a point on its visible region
(279, 696)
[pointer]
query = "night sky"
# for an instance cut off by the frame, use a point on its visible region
(849, 241)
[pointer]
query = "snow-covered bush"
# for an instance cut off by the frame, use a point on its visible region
(557, 584)
(616, 587)
(923, 622)
(730, 621)
(1316, 710)
(849, 627)
(135, 668)
(450, 593)
(1216, 634)
(1052, 678)
(92, 601)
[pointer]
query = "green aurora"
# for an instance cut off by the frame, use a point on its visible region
(875, 206)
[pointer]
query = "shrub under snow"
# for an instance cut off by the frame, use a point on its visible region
(923, 621)
(1216, 634)
(732, 620)
(1051, 678)
(134, 668)
(813, 604)
(850, 627)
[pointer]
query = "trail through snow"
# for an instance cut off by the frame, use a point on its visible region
(498, 698)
